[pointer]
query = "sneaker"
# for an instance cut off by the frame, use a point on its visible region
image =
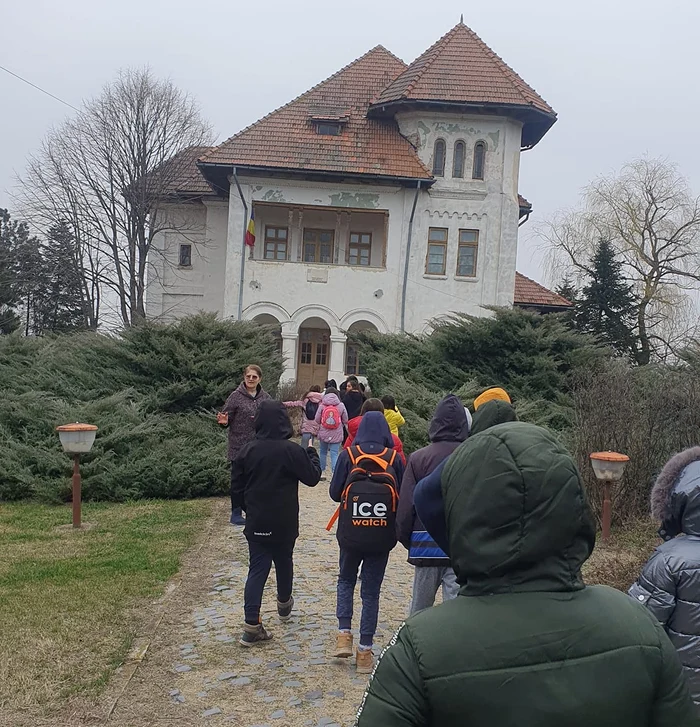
(284, 610)
(364, 661)
(237, 517)
(343, 645)
(254, 635)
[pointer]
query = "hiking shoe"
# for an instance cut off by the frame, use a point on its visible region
(237, 517)
(284, 610)
(253, 635)
(364, 661)
(343, 645)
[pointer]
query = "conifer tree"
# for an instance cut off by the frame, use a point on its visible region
(607, 306)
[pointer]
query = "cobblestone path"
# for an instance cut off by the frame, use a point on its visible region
(196, 673)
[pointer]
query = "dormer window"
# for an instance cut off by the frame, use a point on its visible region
(329, 121)
(328, 128)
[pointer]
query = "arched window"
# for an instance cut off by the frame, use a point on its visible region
(458, 161)
(479, 160)
(439, 158)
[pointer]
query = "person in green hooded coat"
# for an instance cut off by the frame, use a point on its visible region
(526, 643)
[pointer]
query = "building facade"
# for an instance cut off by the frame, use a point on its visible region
(384, 198)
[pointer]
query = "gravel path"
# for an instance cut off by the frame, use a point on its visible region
(196, 673)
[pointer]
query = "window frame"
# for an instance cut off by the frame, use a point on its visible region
(480, 148)
(462, 158)
(317, 244)
(442, 244)
(332, 128)
(276, 241)
(441, 172)
(352, 350)
(359, 246)
(181, 248)
(474, 244)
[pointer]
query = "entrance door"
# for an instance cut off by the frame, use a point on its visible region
(313, 357)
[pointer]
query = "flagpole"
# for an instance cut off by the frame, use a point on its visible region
(243, 250)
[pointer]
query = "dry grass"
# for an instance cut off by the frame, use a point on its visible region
(618, 564)
(70, 601)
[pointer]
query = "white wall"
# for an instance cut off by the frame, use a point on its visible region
(489, 206)
(293, 291)
(175, 291)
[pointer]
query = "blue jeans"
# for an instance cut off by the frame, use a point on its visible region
(373, 567)
(334, 449)
(306, 439)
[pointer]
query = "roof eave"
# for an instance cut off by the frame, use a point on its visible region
(536, 122)
(215, 169)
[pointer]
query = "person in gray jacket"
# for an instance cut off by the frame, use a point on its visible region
(669, 584)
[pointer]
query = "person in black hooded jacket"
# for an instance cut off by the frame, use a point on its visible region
(265, 483)
(427, 496)
(448, 429)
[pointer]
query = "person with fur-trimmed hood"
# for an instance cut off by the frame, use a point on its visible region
(669, 584)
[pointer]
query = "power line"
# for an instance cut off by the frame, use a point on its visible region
(38, 88)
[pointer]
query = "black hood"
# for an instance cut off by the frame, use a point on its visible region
(449, 423)
(491, 414)
(272, 421)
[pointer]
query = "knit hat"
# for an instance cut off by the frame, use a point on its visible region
(490, 395)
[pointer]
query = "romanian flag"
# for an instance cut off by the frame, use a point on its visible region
(250, 232)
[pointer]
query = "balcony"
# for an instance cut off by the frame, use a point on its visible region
(320, 236)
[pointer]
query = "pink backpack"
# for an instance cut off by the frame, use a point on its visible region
(330, 418)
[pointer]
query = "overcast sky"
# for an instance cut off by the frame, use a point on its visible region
(621, 74)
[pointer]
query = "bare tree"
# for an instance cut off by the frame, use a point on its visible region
(111, 172)
(652, 220)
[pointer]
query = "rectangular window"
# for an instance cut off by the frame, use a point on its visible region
(185, 256)
(318, 246)
(306, 348)
(360, 248)
(466, 255)
(352, 360)
(275, 243)
(321, 353)
(437, 251)
(328, 128)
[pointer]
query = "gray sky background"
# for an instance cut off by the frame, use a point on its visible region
(622, 74)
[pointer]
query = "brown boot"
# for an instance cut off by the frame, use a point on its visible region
(343, 645)
(364, 661)
(253, 635)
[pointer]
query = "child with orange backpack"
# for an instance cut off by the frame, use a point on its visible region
(366, 483)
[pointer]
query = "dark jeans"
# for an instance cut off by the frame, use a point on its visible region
(373, 567)
(262, 556)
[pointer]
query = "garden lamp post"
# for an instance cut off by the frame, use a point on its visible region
(76, 439)
(608, 468)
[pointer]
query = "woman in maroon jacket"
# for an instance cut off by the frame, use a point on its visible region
(238, 415)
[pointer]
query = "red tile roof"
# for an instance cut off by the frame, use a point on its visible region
(287, 138)
(461, 68)
(530, 293)
(183, 178)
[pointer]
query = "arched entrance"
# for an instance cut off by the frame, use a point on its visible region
(353, 360)
(266, 319)
(313, 352)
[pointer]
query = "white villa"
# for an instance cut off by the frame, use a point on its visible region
(384, 197)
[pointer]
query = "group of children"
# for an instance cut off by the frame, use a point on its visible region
(382, 501)
(365, 480)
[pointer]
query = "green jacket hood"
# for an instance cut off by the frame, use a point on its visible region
(492, 413)
(516, 511)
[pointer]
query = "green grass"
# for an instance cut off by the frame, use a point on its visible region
(70, 601)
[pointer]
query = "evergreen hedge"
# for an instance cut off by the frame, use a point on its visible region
(152, 391)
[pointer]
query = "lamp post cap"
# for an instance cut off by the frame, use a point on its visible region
(610, 457)
(77, 427)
